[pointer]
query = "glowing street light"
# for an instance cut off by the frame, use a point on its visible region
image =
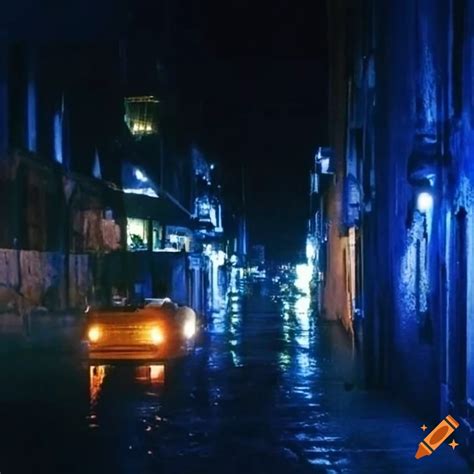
(424, 202)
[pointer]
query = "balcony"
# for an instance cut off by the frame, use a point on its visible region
(141, 115)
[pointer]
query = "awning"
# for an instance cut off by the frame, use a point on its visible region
(140, 206)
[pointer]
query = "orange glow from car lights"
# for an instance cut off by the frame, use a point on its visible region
(156, 335)
(94, 333)
(96, 379)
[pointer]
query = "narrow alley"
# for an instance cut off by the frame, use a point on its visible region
(267, 392)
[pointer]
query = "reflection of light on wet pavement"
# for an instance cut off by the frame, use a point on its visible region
(304, 363)
(302, 306)
(236, 359)
(257, 393)
(235, 338)
(96, 379)
(304, 273)
(150, 376)
(284, 360)
(300, 369)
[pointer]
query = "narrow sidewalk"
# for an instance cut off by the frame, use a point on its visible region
(381, 434)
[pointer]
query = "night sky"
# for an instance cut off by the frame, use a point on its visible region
(261, 73)
(257, 76)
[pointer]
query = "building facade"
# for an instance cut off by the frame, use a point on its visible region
(96, 201)
(400, 243)
(321, 189)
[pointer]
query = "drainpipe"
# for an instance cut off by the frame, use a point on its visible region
(67, 253)
(69, 188)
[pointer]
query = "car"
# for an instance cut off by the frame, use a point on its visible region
(159, 330)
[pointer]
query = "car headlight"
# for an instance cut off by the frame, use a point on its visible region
(156, 336)
(94, 333)
(189, 328)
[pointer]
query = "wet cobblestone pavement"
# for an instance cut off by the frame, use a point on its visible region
(265, 393)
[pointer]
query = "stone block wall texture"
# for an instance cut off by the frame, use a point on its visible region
(80, 280)
(37, 279)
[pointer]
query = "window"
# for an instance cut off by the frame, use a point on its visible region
(177, 239)
(314, 183)
(157, 236)
(141, 115)
(137, 234)
(203, 208)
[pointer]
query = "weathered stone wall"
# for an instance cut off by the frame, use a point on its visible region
(36, 279)
(42, 278)
(335, 296)
(336, 292)
(80, 280)
(91, 232)
(417, 270)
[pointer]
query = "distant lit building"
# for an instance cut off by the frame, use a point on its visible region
(257, 255)
(321, 212)
(141, 115)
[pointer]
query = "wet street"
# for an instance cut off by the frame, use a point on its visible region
(264, 393)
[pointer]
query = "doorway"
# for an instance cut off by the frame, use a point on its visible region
(458, 343)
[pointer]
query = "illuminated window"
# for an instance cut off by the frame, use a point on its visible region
(141, 115)
(203, 208)
(314, 183)
(137, 234)
(213, 216)
(177, 239)
(157, 236)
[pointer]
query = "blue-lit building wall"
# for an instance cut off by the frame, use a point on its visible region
(403, 135)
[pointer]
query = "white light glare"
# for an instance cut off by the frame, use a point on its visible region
(310, 250)
(189, 328)
(218, 257)
(140, 176)
(304, 274)
(424, 202)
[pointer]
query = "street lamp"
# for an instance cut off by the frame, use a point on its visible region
(424, 202)
(423, 196)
